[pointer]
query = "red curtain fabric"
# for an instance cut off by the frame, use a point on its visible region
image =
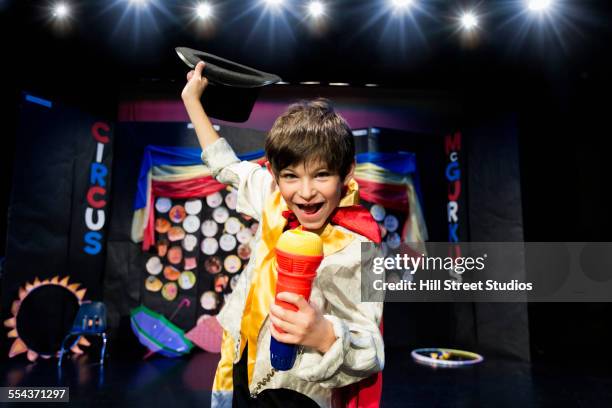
(392, 196)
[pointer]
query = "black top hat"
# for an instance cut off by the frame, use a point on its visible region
(233, 88)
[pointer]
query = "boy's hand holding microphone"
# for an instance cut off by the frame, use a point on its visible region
(294, 320)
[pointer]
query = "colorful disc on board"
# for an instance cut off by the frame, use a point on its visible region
(391, 223)
(209, 300)
(193, 207)
(162, 247)
(153, 284)
(190, 263)
(191, 223)
(232, 264)
(209, 228)
(177, 214)
(176, 234)
(171, 273)
(189, 242)
(232, 225)
(214, 200)
(227, 242)
(378, 212)
(154, 265)
(162, 225)
(187, 280)
(220, 215)
(393, 240)
(244, 251)
(163, 204)
(220, 283)
(209, 246)
(244, 235)
(175, 255)
(231, 199)
(212, 265)
(169, 291)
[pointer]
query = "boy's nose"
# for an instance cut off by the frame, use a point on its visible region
(307, 190)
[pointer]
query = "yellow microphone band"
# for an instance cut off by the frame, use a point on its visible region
(300, 243)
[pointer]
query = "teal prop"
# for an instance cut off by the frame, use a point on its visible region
(159, 334)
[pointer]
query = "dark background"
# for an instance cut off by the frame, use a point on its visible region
(559, 90)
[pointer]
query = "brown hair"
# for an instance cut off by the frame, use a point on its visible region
(311, 130)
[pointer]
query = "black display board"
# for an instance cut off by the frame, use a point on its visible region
(58, 212)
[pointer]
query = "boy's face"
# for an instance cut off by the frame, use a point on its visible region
(311, 191)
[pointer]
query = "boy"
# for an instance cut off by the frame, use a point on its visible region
(308, 185)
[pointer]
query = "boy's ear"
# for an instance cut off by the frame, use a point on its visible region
(350, 174)
(269, 167)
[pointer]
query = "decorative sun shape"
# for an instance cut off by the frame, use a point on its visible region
(19, 345)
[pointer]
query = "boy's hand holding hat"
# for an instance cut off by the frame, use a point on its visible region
(196, 84)
(234, 87)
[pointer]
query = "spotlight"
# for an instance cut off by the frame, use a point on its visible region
(538, 5)
(316, 9)
(469, 21)
(61, 10)
(204, 10)
(401, 4)
(140, 3)
(273, 3)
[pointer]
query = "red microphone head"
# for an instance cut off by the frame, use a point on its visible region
(299, 252)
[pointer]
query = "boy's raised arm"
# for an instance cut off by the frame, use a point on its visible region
(196, 84)
(252, 182)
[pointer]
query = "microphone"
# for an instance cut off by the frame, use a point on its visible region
(298, 255)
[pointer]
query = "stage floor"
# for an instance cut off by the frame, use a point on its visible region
(127, 381)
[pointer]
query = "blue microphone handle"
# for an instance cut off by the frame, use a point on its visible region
(282, 356)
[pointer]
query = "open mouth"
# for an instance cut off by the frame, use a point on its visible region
(310, 209)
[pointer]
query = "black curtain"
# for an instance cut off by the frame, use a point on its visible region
(57, 149)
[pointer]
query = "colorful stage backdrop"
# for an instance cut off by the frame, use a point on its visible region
(65, 219)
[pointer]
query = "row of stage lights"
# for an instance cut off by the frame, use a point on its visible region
(317, 9)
